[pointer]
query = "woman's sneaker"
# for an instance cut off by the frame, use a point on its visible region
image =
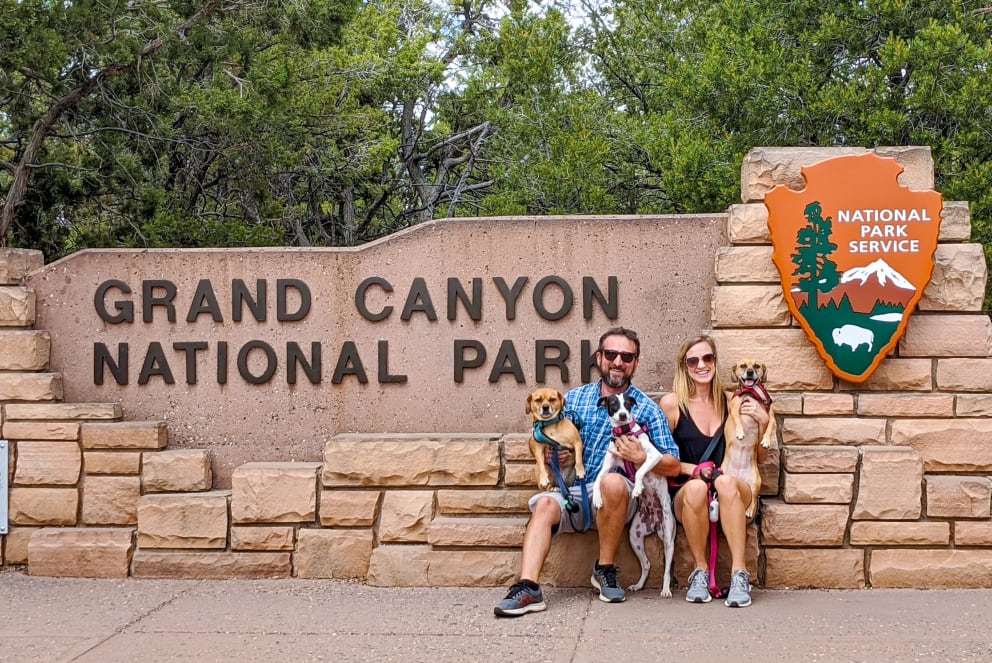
(739, 595)
(699, 587)
(521, 599)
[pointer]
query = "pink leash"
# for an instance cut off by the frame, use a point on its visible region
(714, 588)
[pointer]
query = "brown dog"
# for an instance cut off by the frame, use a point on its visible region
(546, 405)
(742, 434)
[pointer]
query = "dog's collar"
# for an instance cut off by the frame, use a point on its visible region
(633, 428)
(757, 392)
(539, 433)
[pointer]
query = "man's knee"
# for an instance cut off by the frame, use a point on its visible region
(546, 512)
(616, 491)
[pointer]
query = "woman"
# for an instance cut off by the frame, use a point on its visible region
(696, 411)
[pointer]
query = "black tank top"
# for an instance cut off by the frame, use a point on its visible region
(692, 443)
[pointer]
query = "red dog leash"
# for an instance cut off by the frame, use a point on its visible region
(708, 472)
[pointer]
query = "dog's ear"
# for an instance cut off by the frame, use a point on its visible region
(763, 372)
(527, 408)
(604, 401)
(561, 397)
(629, 401)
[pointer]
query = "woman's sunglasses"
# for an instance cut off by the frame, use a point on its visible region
(625, 357)
(693, 362)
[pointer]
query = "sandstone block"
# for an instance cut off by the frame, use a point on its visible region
(519, 475)
(111, 500)
(876, 533)
(412, 460)
(749, 306)
(53, 463)
(43, 506)
(176, 470)
(112, 462)
(30, 386)
(947, 445)
(348, 508)
(972, 533)
(405, 515)
(183, 520)
(931, 569)
(488, 532)
(478, 502)
(41, 430)
(803, 524)
(211, 565)
(951, 496)
(818, 488)
(890, 486)
(262, 537)
(81, 552)
(16, 263)
(516, 447)
(17, 306)
(964, 374)
(820, 431)
(955, 221)
(958, 281)
(25, 350)
(746, 264)
(135, 435)
(786, 404)
(906, 405)
(63, 411)
(947, 336)
(16, 544)
(793, 363)
(770, 472)
(419, 566)
(896, 374)
(821, 459)
(818, 405)
(764, 168)
(748, 224)
(789, 568)
(274, 493)
(973, 405)
(333, 553)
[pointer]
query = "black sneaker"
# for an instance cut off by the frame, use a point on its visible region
(520, 600)
(606, 580)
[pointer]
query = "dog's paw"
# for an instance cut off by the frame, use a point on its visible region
(666, 593)
(740, 434)
(766, 443)
(597, 501)
(544, 484)
(636, 587)
(636, 492)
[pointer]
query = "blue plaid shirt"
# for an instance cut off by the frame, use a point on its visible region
(582, 407)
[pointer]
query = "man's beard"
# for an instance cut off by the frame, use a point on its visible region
(616, 383)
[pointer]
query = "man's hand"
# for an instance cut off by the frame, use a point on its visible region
(565, 456)
(629, 448)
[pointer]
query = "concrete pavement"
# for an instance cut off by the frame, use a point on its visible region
(90, 621)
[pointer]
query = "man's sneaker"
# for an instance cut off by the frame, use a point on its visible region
(699, 587)
(605, 579)
(521, 599)
(739, 595)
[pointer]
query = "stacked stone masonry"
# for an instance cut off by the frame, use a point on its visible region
(880, 484)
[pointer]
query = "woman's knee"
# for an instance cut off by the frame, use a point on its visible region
(727, 487)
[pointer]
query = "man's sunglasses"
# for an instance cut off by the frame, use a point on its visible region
(625, 357)
(707, 358)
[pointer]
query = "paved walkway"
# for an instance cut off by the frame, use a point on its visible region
(101, 621)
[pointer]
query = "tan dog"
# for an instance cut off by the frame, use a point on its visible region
(545, 405)
(741, 432)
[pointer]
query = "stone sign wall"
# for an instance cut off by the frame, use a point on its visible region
(879, 484)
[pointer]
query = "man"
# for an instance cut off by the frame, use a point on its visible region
(617, 357)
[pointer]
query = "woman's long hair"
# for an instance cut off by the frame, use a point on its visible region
(684, 386)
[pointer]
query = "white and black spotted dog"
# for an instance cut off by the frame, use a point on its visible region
(654, 514)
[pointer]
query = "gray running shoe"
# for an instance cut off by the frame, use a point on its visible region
(520, 600)
(739, 595)
(605, 579)
(699, 587)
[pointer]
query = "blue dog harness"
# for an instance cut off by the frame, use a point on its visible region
(566, 494)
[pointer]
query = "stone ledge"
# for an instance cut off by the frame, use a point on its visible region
(176, 471)
(488, 532)
(274, 493)
(17, 306)
(211, 565)
(183, 520)
(30, 387)
(63, 411)
(134, 435)
(80, 553)
(25, 350)
(15, 264)
(932, 569)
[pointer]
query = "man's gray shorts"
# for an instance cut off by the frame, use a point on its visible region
(574, 522)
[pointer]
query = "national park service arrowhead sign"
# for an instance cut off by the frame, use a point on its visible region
(855, 250)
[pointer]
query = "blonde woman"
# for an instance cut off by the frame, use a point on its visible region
(696, 410)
